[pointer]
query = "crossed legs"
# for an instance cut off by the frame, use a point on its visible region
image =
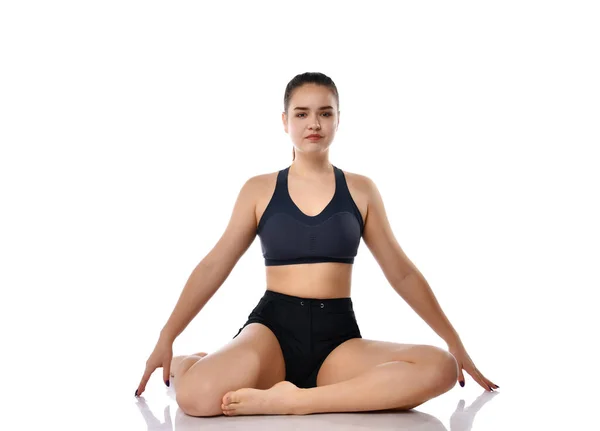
(359, 375)
(246, 377)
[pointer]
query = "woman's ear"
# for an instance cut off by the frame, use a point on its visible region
(284, 120)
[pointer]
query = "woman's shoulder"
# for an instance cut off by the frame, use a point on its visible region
(260, 185)
(357, 181)
(261, 188)
(262, 180)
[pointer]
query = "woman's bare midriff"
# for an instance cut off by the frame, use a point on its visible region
(311, 280)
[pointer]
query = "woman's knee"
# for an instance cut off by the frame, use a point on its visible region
(445, 370)
(180, 365)
(201, 399)
(201, 388)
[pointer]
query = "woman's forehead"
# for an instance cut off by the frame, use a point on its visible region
(314, 98)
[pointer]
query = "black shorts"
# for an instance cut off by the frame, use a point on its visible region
(307, 330)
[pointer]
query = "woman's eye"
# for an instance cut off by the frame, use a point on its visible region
(325, 113)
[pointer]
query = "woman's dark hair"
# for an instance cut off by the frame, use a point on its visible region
(308, 78)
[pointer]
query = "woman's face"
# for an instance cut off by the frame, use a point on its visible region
(312, 110)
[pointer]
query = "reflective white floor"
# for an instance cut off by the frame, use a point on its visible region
(165, 415)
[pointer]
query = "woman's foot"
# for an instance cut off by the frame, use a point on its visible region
(176, 362)
(281, 399)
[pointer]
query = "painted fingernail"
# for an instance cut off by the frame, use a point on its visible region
(462, 383)
(167, 383)
(136, 391)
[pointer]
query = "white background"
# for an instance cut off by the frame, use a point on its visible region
(127, 129)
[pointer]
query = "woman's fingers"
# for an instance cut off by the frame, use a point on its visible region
(492, 385)
(479, 379)
(485, 383)
(489, 382)
(167, 371)
(477, 376)
(145, 378)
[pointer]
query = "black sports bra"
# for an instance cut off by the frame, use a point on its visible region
(288, 236)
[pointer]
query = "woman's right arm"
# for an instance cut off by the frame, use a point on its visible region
(206, 279)
(213, 270)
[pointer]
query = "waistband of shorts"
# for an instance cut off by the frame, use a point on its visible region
(328, 304)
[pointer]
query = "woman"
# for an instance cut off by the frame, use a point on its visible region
(301, 350)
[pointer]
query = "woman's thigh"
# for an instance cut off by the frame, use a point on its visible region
(251, 360)
(358, 355)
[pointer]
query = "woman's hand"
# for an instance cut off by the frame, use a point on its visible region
(464, 362)
(160, 357)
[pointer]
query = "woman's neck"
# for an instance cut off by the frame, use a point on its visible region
(310, 167)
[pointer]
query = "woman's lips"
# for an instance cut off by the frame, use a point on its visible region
(314, 138)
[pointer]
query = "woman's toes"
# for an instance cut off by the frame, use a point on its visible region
(230, 398)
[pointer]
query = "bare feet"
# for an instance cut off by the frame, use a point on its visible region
(175, 362)
(281, 399)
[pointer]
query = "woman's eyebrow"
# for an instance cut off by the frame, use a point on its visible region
(308, 109)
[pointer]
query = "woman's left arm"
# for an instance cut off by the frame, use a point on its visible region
(408, 281)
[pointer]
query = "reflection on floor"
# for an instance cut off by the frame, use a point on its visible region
(461, 420)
